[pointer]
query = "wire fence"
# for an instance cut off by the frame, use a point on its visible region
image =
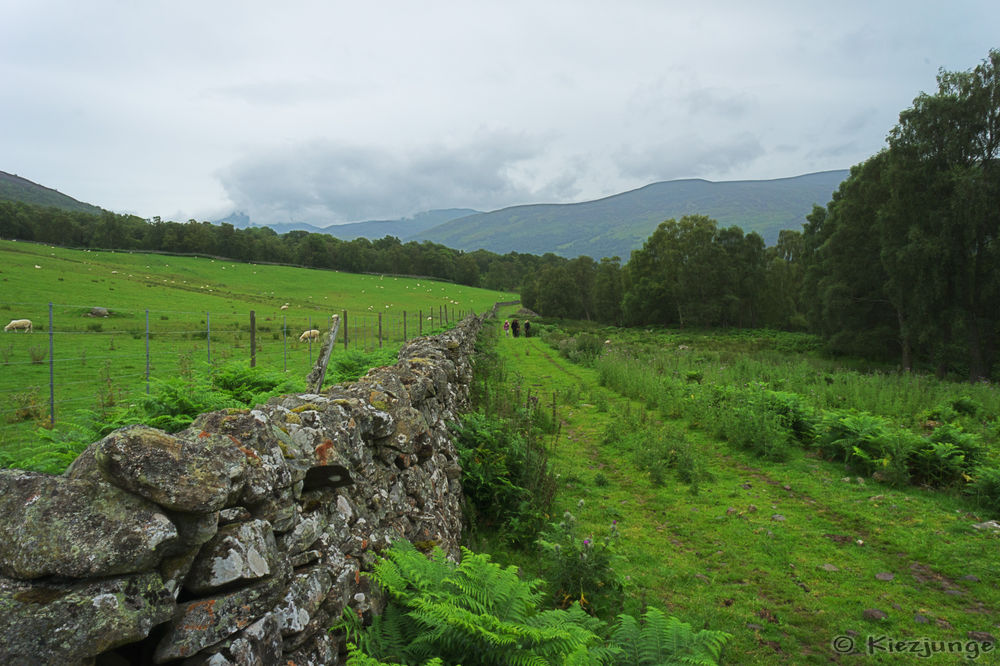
(79, 359)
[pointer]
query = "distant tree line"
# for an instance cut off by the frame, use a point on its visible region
(111, 231)
(903, 264)
(687, 273)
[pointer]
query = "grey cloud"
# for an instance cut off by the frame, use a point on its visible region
(719, 102)
(325, 182)
(690, 157)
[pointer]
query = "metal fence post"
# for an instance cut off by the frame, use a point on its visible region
(147, 352)
(404, 325)
(380, 330)
(253, 339)
(343, 322)
(284, 338)
(208, 335)
(52, 374)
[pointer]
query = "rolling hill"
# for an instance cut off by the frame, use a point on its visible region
(408, 227)
(15, 188)
(612, 226)
(615, 225)
(372, 229)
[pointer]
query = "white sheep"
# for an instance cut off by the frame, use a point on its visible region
(18, 325)
(284, 307)
(309, 335)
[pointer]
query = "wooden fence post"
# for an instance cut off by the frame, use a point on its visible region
(344, 322)
(314, 381)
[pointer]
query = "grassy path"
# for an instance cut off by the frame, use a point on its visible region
(786, 557)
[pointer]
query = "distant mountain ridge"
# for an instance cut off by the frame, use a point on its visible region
(611, 226)
(371, 229)
(618, 224)
(16, 188)
(407, 227)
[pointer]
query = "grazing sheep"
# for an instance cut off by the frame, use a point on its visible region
(284, 307)
(309, 335)
(18, 325)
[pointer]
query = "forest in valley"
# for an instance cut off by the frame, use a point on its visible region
(902, 265)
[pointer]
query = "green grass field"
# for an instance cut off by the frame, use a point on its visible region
(198, 310)
(785, 555)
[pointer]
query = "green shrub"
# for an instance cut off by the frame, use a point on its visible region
(51, 451)
(793, 413)
(966, 406)
(968, 444)
(506, 479)
(582, 348)
(937, 464)
(852, 434)
(868, 444)
(582, 571)
(470, 613)
(752, 427)
(659, 639)
(251, 386)
(171, 405)
(352, 365)
(478, 613)
(985, 489)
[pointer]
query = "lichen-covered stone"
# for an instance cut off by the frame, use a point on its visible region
(53, 525)
(204, 622)
(303, 599)
(320, 650)
(305, 534)
(43, 623)
(257, 645)
(238, 552)
(258, 438)
(278, 508)
(193, 529)
(194, 471)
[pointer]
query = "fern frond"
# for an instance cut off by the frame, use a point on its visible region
(626, 637)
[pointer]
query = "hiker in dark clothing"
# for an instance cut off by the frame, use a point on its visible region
(515, 328)
(527, 328)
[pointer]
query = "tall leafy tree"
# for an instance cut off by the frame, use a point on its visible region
(608, 291)
(941, 227)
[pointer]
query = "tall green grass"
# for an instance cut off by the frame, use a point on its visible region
(896, 428)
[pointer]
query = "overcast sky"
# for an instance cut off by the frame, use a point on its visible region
(329, 112)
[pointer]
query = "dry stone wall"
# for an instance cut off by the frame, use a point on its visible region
(241, 539)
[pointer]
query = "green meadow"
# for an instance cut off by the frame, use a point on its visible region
(759, 488)
(196, 311)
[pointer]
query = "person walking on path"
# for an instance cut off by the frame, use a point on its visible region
(506, 329)
(527, 328)
(515, 328)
